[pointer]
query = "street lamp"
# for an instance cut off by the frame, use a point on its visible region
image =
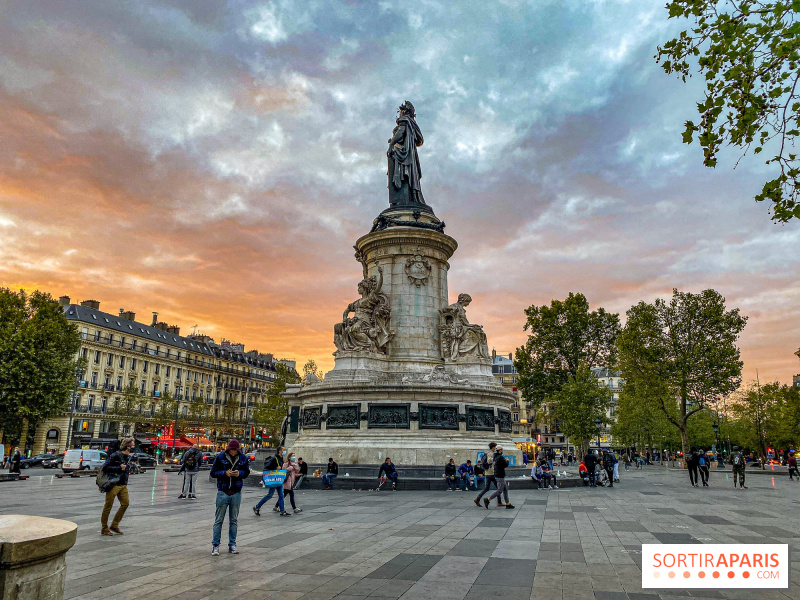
(720, 464)
(78, 375)
(597, 423)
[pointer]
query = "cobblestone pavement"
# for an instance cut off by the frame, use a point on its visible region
(577, 543)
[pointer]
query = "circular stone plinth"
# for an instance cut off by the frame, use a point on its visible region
(25, 539)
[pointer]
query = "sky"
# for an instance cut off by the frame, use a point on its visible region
(215, 162)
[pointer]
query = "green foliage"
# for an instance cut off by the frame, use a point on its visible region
(198, 410)
(129, 407)
(767, 415)
(38, 348)
(640, 421)
(167, 411)
(271, 413)
(311, 368)
(578, 405)
(683, 354)
(747, 52)
(564, 337)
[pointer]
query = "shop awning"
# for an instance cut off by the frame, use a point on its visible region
(200, 441)
(169, 443)
(142, 441)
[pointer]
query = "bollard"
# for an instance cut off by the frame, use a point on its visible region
(33, 556)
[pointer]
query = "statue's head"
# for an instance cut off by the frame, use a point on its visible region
(464, 299)
(406, 108)
(367, 285)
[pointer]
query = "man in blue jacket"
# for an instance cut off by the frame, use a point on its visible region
(391, 473)
(466, 471)
(230, 469)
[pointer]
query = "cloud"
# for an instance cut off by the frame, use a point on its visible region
(216, 161)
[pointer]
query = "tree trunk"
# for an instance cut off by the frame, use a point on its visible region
(684, 442)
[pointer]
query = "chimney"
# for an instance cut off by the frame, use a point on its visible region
(63, 301)
(91, 304)
(130, 315)
(121, 311)
(155, 319)
(174, 329)
(510, 356)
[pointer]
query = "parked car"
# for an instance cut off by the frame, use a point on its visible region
(53, 463)
(35, 461)
(145, 460)
(251, 456)
(207, 458)
(83, 460)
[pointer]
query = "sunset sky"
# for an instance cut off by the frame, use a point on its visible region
(215, 162)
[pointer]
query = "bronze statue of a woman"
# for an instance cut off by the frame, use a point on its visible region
(404, 171)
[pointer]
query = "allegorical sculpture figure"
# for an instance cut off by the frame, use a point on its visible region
(368, 328)
(459, 336)
(404, 171)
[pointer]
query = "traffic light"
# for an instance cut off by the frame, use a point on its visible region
(158, 432)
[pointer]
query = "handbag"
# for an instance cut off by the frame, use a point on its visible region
(105, 481)
(274, 478)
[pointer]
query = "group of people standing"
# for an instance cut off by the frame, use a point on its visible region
(599, 469)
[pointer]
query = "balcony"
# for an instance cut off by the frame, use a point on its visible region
(108, 387)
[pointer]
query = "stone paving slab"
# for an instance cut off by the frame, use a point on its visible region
(577, 543)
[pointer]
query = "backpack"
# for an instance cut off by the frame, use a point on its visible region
(737, 460)
(190, 462)
(702, 461)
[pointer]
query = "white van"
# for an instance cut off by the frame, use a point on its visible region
(79, 460)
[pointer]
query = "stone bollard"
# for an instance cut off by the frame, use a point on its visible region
(33, 557)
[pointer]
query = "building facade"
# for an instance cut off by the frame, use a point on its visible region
(209, 382)
(614, 382)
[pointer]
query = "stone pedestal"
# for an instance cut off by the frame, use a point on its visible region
(411, 402)
(33, 557)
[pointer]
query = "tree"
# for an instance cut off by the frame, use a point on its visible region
(639, 420)
(564, 337)
(38, 358)
(198, 410)
(167, 412)
(128, 409)
(684, 352)
(579, 404)
(748, 52)
(270, 414)
(768, 415)
(311, 368)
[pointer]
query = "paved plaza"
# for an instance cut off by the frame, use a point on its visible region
(576, 543)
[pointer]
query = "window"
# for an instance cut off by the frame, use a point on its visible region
(121, 362)
(107, 382)
(152, 409)
(119, 383)
(83, 426)
(501, 379)
(110, 360)
(183, 411)
(110, 336)
(144, 348)
(94, 380)
(134, 344)
(178, 373)
(516, 417)
(91, 402)
(104, 404)
(97, 357)
(96, 335)
(166, 388)
(144, 385)
(144, 366)
(84, 352)
(133, 364)
(166, 374)
(155, 388)
(84, 333)
(157, 368)
(121, 341)
(131, 382)
(169, 352)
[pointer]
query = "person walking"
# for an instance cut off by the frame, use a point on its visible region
(117, 464)
(466, 472)
(616, 467)
(14, 462)
(292, 472)
(792, 462)
(627, 461)
(272, 463)
(303, 472)
(738, 468)
(389, 471)
(331, 474)
(692, 465)
(487, 464)
(608, 466)
(190, 467)
(450, 474)
(702, 466)
(590, 461)
(230, 469)
(500, 464)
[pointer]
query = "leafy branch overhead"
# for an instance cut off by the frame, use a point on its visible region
(748, 52)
